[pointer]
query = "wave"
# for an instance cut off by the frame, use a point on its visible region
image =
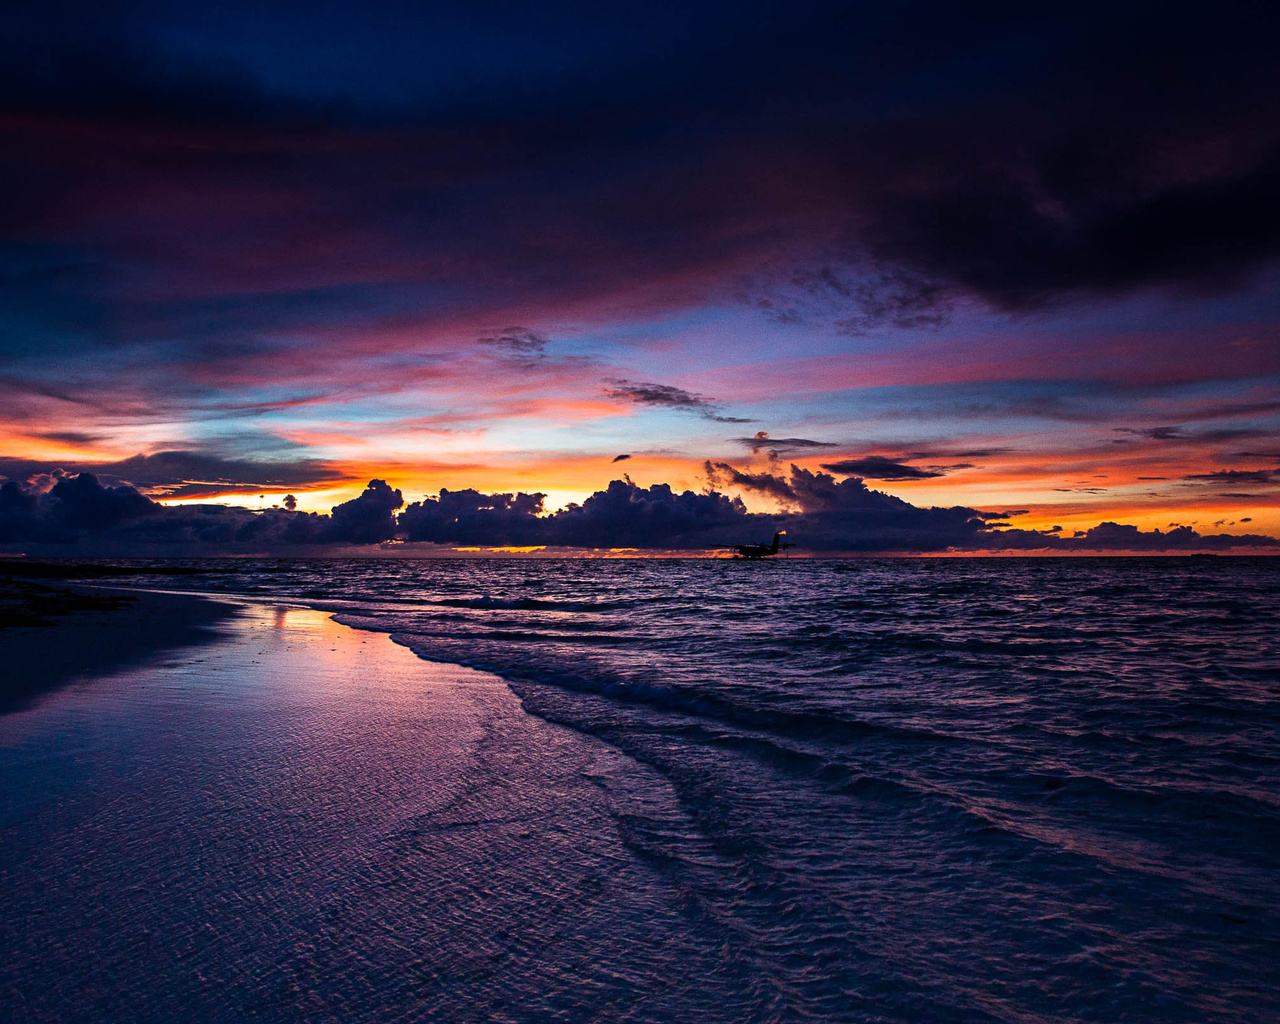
(527, 667)
(531, 604)
(908, 769)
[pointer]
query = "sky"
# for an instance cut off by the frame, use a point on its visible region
(1013, 259)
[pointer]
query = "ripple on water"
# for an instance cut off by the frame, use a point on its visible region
(886, 790)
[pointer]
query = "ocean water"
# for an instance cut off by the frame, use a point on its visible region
(1032, 790)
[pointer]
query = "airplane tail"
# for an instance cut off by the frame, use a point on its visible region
(777, 538)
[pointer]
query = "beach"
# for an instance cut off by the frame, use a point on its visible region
(367, 790)
(296, 820)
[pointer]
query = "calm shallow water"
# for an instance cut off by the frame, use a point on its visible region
(1016, 790)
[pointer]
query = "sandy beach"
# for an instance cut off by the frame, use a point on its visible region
(293, 819)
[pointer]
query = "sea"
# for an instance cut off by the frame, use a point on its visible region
(891, 790)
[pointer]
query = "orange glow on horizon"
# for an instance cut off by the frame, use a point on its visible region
(1076, 481)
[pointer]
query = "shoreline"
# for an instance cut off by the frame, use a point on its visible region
(312, 819)
(306, 820)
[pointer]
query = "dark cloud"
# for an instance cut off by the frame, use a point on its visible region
(1227, 410)
(965, 453)
(1237, 476)
(721, 474)
(847, 516)
(624, 515)
(972, 453)
(20, 517)
(1170, 433)
(850, 303)
(73, 505)
(1233, 434)
(878, 164)
(187, 474)
(879, 467)
(620, 458)
(1119, 537)
(1179, 433)
(819, 492)
(667, 397)
(469, 517)
(779, 446)
(81, 509)
(70, 436)
(81, 503)
(995, 235)
(367, 519)
(811, 492)
(827, 515)
(118, 518)
(517, 341)
(198, 474)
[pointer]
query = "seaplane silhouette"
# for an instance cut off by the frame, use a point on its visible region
(755, 551)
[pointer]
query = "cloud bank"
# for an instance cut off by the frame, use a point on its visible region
(81, 515)
(187, 474)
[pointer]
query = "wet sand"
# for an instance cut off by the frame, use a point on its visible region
(306, 821)
(52, 636)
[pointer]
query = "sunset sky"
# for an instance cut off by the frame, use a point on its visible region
(1013, 258)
